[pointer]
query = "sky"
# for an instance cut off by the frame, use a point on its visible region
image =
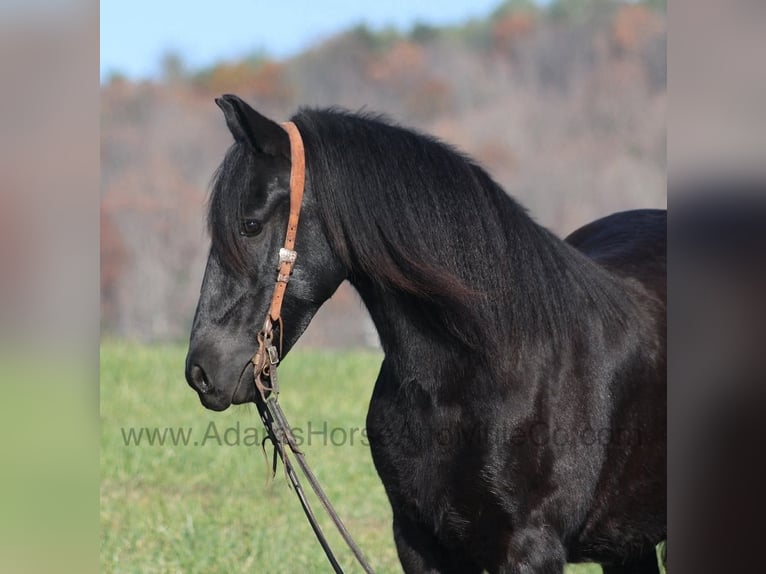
(136, 34)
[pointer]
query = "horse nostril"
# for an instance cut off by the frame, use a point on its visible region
(198, 379)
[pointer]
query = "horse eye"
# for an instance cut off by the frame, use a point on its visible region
(250, 227)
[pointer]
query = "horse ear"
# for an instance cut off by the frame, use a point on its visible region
(251, 128)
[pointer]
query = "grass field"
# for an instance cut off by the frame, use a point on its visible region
(206, 507)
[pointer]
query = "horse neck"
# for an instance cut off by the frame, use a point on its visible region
(408, 343)
(533, 287)
(538, 301)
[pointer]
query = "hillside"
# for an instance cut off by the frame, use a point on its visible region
(564, 106)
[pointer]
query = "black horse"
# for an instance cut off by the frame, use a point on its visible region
(519, 418)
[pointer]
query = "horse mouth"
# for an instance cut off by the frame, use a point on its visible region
(218, 399)
(214, 400)
(245, 390)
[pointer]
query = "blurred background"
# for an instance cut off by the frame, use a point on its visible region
(564, 102)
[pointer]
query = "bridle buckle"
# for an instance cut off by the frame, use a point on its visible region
(273, 354)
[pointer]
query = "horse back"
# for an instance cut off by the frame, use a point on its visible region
(629, 243)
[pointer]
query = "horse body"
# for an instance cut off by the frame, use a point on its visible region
(518, 419)
(534, 470)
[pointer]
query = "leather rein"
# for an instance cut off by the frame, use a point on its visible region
(266, 359)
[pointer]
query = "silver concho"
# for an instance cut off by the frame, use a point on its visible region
(287, 256)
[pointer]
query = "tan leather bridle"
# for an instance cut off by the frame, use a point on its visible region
(267, 358)
(287, 257)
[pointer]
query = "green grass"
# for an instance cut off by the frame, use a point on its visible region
(49, 468)
(208, 508)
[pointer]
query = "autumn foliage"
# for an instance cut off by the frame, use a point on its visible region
(565, 106)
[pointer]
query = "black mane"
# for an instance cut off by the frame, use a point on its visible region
(229, 188)
(412, 214)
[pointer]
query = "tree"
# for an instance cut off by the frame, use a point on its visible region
(113, 256)
(173, 69)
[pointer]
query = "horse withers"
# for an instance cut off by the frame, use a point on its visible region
(519, 418)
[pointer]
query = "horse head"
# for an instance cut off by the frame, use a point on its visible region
(247, 219)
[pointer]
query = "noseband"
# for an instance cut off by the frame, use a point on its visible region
(266, 359)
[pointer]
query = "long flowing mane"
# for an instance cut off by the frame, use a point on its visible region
(411, 214)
